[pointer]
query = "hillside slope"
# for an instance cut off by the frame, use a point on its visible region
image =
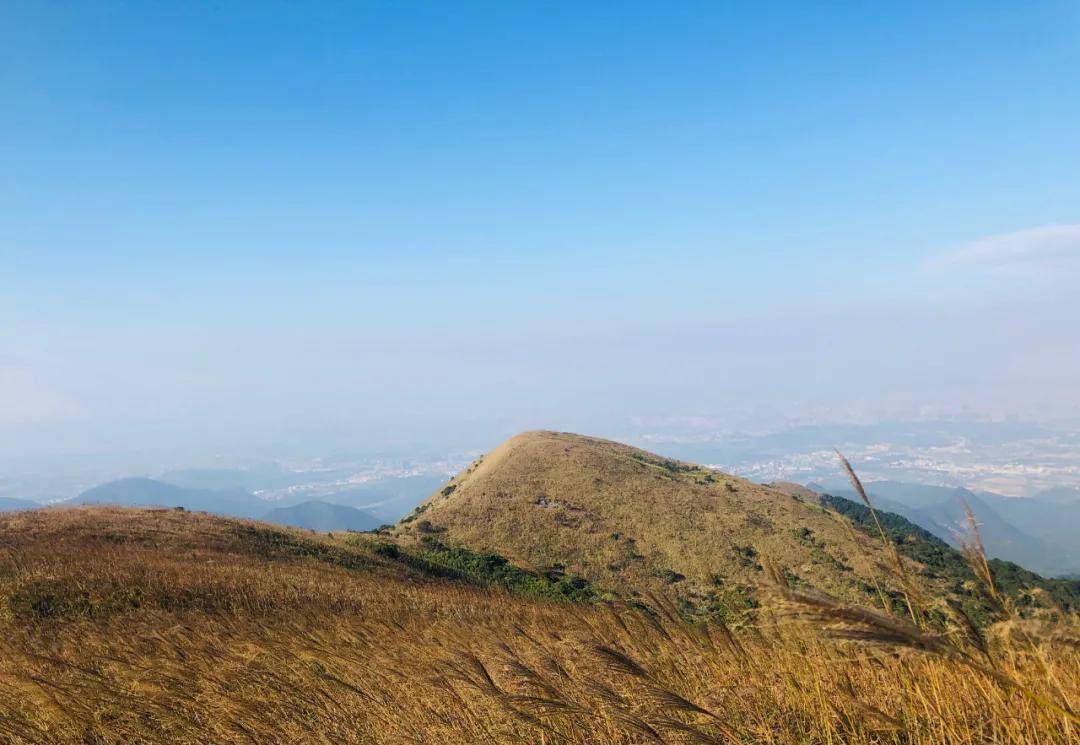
(922, 546)
(149, 626)
(121, 625)
(633, 522)
(1001, 520)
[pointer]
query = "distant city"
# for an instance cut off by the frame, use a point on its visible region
(1016, 459)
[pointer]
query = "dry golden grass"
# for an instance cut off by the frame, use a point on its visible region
(142, 626)
(631, 521)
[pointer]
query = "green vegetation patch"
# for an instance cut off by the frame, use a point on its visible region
(730, 605)
(437, 559)
(819, 553)
(747, 557)
(417, 511)
(945, 562)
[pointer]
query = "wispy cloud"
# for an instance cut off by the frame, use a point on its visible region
(1040, 251)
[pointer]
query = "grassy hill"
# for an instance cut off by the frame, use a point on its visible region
(633, 522)
(165, 626)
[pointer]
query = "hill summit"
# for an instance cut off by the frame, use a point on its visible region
(633, 521)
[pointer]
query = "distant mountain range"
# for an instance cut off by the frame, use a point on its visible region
(364, 507)
(389, 498)
(144, 492)
(1039, 532)
(7, 504)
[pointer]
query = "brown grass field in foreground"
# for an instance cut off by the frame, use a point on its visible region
(153, 626)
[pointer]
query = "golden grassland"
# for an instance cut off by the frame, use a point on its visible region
(153, 626)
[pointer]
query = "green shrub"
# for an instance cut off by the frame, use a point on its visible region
(487, 570)
(945, 562)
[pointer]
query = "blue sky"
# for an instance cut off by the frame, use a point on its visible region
(233, 222)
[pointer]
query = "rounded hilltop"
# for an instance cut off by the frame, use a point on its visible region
(633, 521)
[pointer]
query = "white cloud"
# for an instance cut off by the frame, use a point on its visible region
(1040, 251)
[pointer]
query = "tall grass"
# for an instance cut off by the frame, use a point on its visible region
(137, 627)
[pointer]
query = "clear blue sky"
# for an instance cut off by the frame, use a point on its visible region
(413, 217)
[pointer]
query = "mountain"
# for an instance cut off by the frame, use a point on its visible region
(1002, 538)
(144, 492)
(1051, 517)
(907, 494)
(633, 522)
(1059, 495)
(363, 507)
(389, 498)
(8, 504)
(937, 557)
(323, 516)
(1034, 533)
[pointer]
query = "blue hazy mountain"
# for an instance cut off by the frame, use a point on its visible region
(8, 504)
(1059, 495)
(1051, 516)
(144, 492)
(1029, 532)
(389, 498)
(323, 516)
